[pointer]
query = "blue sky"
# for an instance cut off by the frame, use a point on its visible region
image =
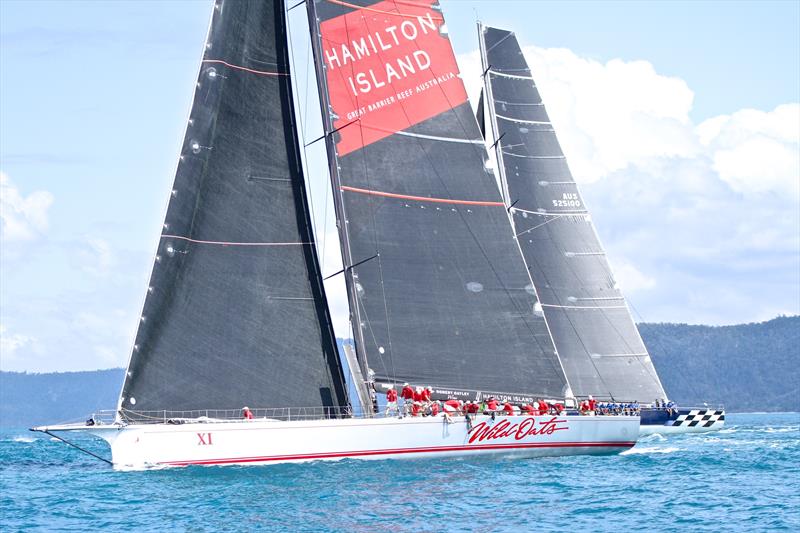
(679, 118)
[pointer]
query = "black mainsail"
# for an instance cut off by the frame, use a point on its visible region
(235, 313)
(438, 289)
(592, 328)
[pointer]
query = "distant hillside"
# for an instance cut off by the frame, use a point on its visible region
(748, 367)
(31, 399)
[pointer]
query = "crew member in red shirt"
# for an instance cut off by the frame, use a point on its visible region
(543, 407)
(407, 394)
(508, 408)
(592, 403)
(418, 394)
(492, 404)
(391, 400)
(452, 405)
(246, 413)
(529, 409)
(426, 394)
(415, 409)
(472, 408)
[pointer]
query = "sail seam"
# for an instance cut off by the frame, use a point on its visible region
(229, 243)
(550, 213)
(239, 67)
(535, 156)
(586, 306)
(421, 198)
(523, 121)
(514, 76)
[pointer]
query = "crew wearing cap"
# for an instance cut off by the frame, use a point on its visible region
(246, 413)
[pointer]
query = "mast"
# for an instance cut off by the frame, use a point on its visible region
(439, 285)
(235, 313)
(363, 386)
(591, 325)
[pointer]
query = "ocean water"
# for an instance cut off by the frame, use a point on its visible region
(743, 478)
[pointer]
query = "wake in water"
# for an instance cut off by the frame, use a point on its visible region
(637, 450)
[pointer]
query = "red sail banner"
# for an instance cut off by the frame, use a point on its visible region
(389, 66)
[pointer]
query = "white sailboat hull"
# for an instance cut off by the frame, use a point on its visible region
(270, 442)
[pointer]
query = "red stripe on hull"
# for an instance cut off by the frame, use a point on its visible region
(401, 451)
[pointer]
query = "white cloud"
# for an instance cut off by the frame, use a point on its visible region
(756, 151)
(10, 344)
(23, 217)
(631, 279)
(708, 213)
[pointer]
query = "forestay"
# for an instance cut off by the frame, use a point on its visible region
(438, 288)
(592, 328)
(235, 313)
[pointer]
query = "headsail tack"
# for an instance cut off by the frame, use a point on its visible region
(592, 328)
(446, 301)
(235, 313)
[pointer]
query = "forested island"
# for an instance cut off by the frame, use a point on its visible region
(746, 367)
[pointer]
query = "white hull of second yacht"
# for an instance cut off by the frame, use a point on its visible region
(268, 442)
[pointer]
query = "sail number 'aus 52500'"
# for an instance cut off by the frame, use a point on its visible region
(568, 199)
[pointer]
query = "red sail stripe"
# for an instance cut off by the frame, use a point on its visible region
(420, 198)
(261, 72)
(226, 243)
(399, 451)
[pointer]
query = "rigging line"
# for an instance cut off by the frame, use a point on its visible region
(227, 243)
(332, 131)
(352, 266)
(421, 198)
(300, 3)
(238, 67)
(536, 226)
(84, 450)
(394, 13)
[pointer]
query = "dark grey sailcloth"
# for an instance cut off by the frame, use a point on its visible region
(439, 294)
(235, 313)
(592, 328)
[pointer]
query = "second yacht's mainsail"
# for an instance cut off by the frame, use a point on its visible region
(438, 288)
(592, 328)
(235, 313)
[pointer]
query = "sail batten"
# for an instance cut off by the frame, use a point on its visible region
(235, 312)
(589, 319)
(447, 303)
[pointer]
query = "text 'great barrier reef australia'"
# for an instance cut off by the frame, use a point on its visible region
(389, 66)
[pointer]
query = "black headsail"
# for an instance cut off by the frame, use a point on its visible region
(235, 313)
(592, 328)
(438, 288)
